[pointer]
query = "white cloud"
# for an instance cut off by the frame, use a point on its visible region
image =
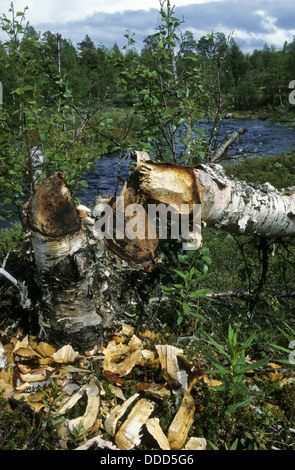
(273, 34)
(267, 21)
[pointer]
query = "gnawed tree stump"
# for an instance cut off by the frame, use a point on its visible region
(83, 283)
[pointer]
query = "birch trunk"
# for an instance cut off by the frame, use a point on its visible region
(83, 282)
(232, 205)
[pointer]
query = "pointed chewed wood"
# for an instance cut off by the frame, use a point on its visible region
(182, 422)
(154, 428)
(67, 269)
(128, 435)
(128, 225)
(116, 413)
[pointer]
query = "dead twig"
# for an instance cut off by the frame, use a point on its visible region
(24, 300)
(220, 152)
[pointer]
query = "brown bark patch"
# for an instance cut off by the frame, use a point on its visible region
(139, 250)
(167, 183)
(52, 210)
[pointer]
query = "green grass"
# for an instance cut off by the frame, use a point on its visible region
(278, 170)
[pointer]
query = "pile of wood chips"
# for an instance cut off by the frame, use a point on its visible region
(111, 421)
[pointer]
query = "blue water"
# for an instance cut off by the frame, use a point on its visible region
(262, 138)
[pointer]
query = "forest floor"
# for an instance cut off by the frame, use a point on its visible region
(139, 392)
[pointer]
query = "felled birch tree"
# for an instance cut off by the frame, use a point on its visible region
(231, 205)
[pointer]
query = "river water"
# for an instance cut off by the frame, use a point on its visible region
(262, 138)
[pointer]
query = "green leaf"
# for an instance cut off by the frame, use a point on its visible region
(199, 293)
(254, 366)
(197, 315)
(234, 444)
(180, 318)
(18, 188)
(67, 94)
(216, 363)
(220, 348)
(18, 91)
(184, 276)
(186, 308)
(28, 88)
(241, 404)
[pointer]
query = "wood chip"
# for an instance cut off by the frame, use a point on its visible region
(182, 378)
(36, 397)
(32, 377)
(117, 392)
(3, 357)
(72, 400)
(24, 369)
(158, 391)
(125, 367)
(90, 415)
(180, 426)
(127, 330)
(100, 444)
(5, 385)
(128, 435)
(168, 358)
(196, 443)
(23, 387)
(114, 352)
(25, 353)
(211, 382)
(273, 365)
(37, 406)
(154, 428)
(148, 355)
(44, 349)
(116, 413)
(7, 376)
(65, 355)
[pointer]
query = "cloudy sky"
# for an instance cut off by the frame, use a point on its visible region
(252, 22)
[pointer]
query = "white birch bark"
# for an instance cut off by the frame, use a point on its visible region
(243, 208)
